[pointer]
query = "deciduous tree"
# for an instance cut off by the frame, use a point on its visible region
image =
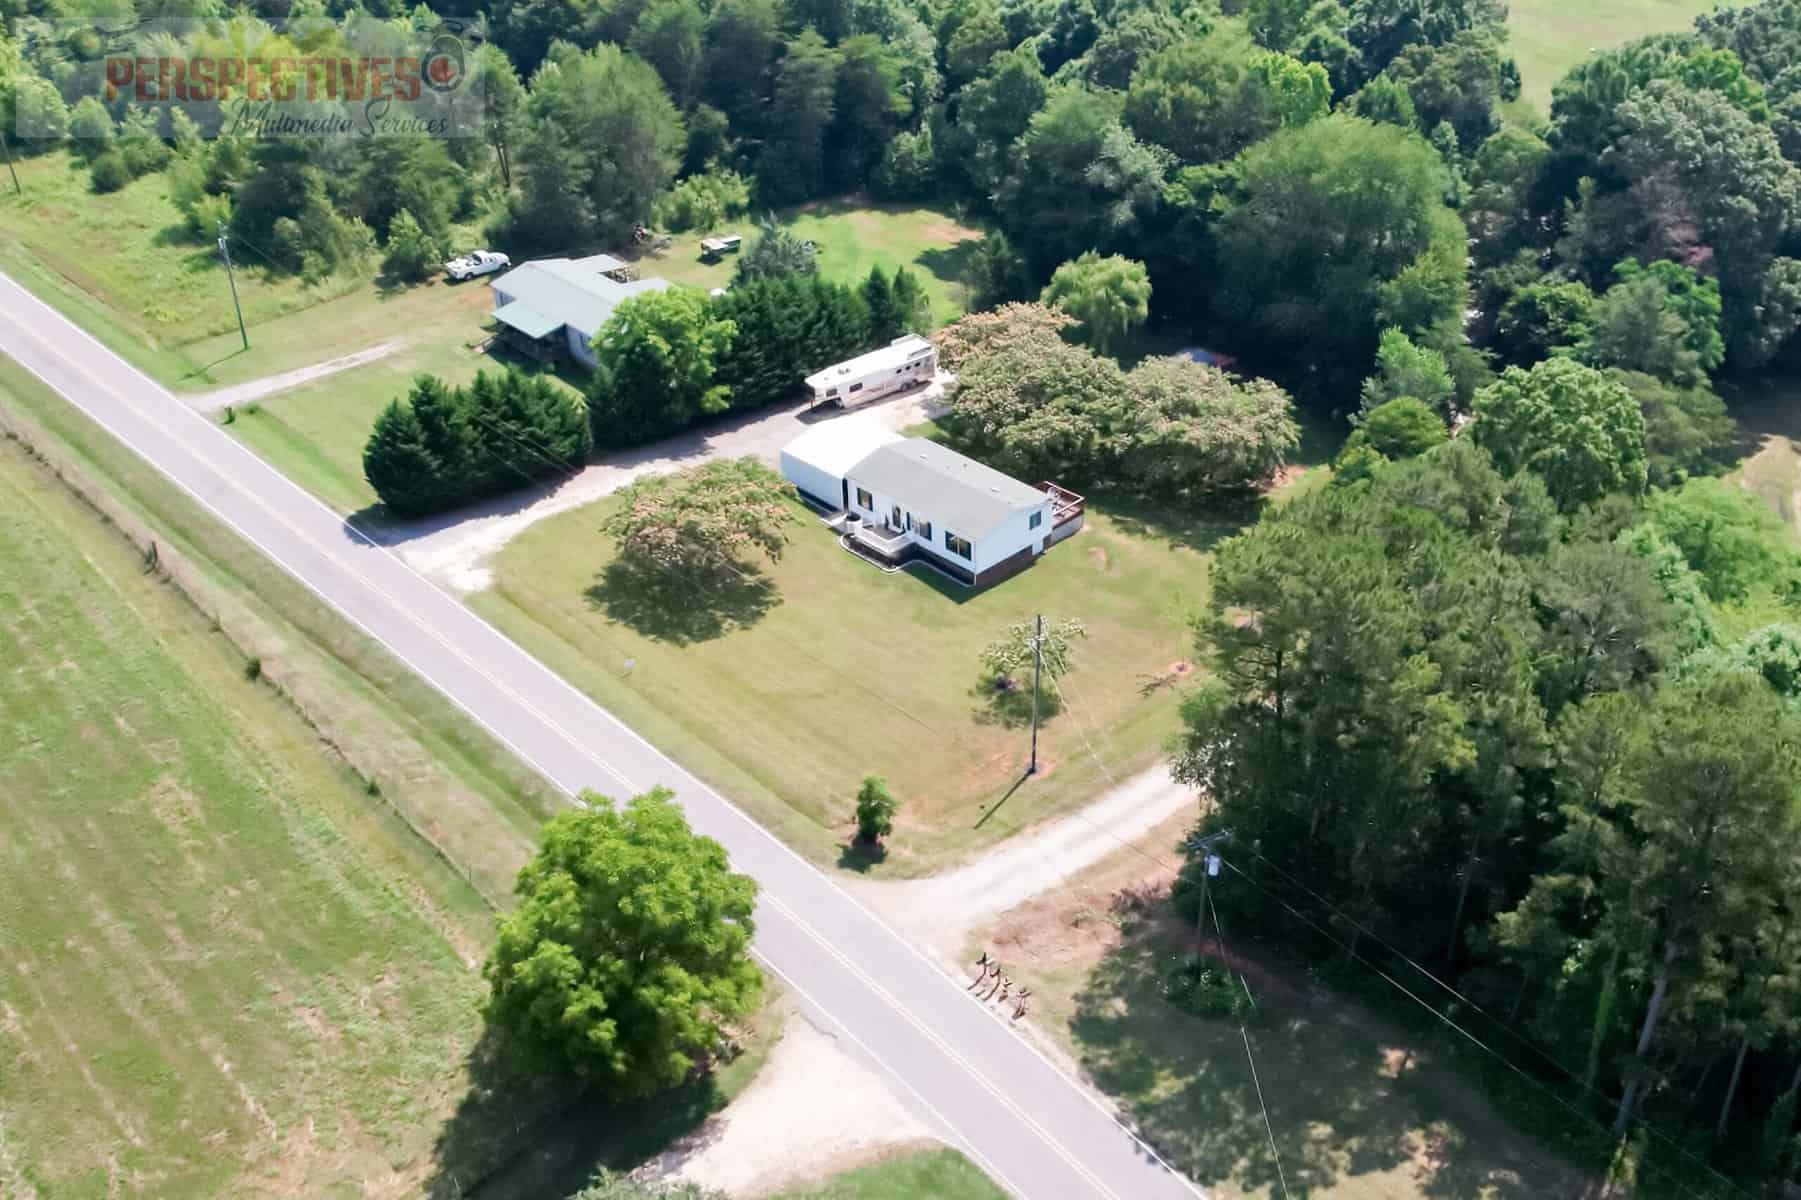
(1109, 296)
(628, 949)
(1325, 229)
(696, 525)
(657, 355)
(1573, 426)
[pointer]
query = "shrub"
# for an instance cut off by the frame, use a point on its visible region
(703, 201)
(1201, 987)
(876, 806)
(443, 447)
(412, 253)
(109, 172)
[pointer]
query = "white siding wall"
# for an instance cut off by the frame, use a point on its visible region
(1009, 539)
(1013, 536)
(811, 479)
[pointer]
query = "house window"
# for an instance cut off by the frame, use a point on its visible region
(1036, 521)
(895, 517)
(856, 387)
(865, 500)
(831, 391)
(957, 545)
(925, 530)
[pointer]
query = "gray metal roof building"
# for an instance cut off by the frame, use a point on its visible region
(541, 296)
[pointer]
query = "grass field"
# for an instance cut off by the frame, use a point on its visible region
(821, 669)
(1548, 37)
(852, 236)
(937, 1174)
(228, 973)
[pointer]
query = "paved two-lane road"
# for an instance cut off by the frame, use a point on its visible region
(1035, 1129)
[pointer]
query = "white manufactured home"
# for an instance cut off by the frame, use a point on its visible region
(896, 500)
(908, 361)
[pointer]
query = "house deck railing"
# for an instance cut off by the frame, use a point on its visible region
(887, 542)
(1065, 504)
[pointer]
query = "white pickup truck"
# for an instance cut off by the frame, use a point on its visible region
(480, 262)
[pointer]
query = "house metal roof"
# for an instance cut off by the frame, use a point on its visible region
(571, 292)
(527, 320)
(836, 446)
(938, 484)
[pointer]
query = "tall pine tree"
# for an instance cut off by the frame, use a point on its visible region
(884, 312)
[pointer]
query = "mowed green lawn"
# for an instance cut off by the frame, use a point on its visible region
(933, 1174)
(223, 970)
(822, 669)
(852, 236)
(315, 431)
(1548, 37)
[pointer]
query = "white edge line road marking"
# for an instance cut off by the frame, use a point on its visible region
(969, 1068)
(988, 1166)
(183, 411)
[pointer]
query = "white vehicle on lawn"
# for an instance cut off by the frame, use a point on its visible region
(480, 262)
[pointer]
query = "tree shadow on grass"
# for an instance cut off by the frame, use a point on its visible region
(682, 609)
(861, 856)
(1008, 702)
(1344, 1100)
(519, 1137)
(1197, 524)
(950, 263)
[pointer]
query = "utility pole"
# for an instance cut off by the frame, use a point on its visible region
(1037, 668)
(7, 150)
(225, 249)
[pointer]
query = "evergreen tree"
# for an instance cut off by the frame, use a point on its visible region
(397, 464)
(884, 313)
(911, 302)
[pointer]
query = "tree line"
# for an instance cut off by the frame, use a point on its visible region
(1039, 407)
(668, 359)
(1517, 715)
(1321, 165)
(443, 447)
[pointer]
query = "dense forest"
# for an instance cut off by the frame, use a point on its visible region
(1516, 699)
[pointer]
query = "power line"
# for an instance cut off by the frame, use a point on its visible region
(1244, 1032)
(1466, 1034)
(1274, 1153)
(1522, 1039)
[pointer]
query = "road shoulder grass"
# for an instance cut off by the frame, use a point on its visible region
(430, 797)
